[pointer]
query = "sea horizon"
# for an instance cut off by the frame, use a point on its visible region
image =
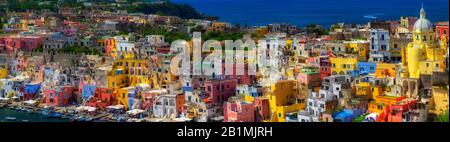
(323, 12)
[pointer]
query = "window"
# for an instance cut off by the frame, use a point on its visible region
(383, 47)
(382, 37)
(424, 38)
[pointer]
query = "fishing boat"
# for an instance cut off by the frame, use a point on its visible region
(10, 118)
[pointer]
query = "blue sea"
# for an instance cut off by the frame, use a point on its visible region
(22, 116)
(324, 12)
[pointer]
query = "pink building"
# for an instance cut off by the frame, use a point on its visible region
(262, 109)
(309, 76)
(220, 90)
(238, 111)
(58, 96)
(26, 43)
(246, 78)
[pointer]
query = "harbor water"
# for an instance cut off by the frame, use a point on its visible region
(7, 115)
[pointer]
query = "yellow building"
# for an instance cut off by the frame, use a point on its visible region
(360, 47)
(284, 97)
(376, 91)
(3, 71)
(343, 65)
(422, 49)
(218, 27)
(125, 75)
(363, 89)
(439, 103)
(385, 69)
(261, 31)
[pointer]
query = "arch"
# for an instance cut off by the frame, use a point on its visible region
(341, 73)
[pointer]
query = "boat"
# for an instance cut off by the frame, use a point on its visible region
(10, 118)
(24, 120)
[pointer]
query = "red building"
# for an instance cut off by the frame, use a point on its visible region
(58, 96)
(26, 43)
(238, 111)
(103, 97)
(262, 109)
(398, 109)
(219, 90)
(324, 67)
(441, 29)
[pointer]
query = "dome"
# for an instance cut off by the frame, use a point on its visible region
(422, 24)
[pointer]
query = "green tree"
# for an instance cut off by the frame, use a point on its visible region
(443, 117)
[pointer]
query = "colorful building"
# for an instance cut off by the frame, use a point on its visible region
(102, 98)
(406, 24)
(309, 76)
(385, 69)
(363, 89)
(169, 105)
(442, 30)
(343, 65)
(422, 49)
(125, 75)
(238, 111)
(58, 96)
(3, 71)
(262, 109)
(108, 45)
(26, 43)
(218, 27)
(31, 90)
(360, 47)
(284, 97)
(219, 90)
(398, 110)
(379, 45)
(324, 67)
(367, 67)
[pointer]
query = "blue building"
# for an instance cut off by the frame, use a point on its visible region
(31, 89)
(347, 115)
(366, 67)
(88, 91)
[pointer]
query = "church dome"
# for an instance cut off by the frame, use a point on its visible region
(422, 24)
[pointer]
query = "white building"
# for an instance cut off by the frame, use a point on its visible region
(379, 45)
